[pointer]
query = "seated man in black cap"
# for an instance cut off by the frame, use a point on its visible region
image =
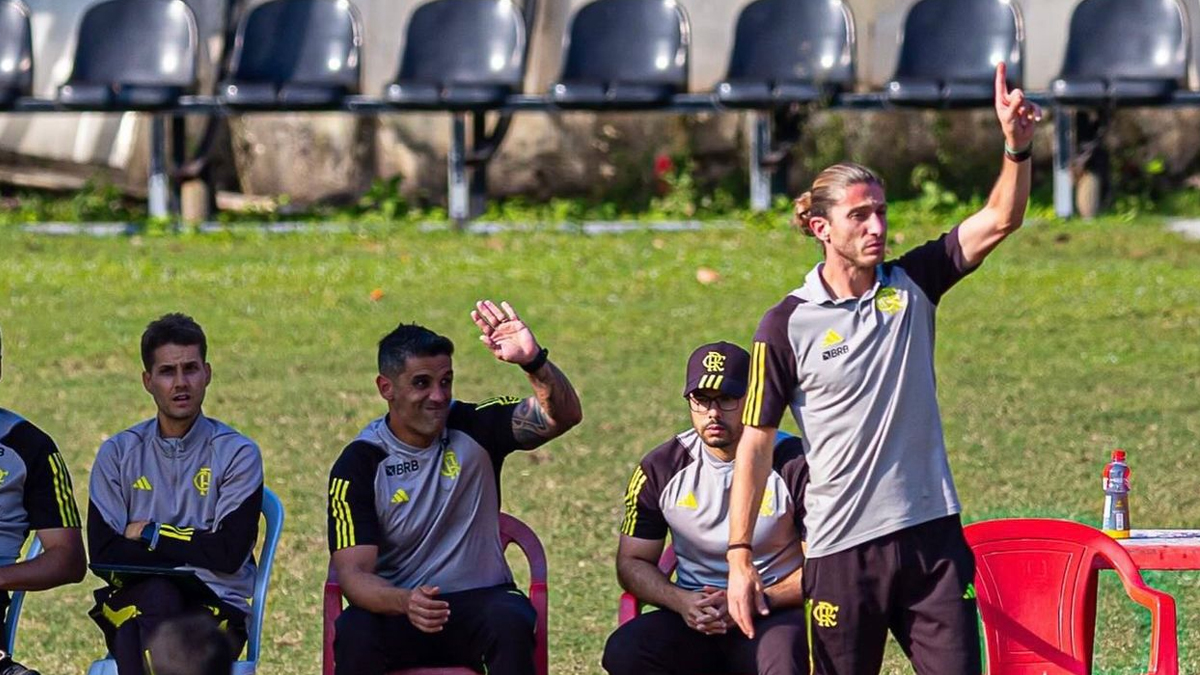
(682, 487)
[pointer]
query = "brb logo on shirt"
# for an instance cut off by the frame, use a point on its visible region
(402, 468)
(834, 345)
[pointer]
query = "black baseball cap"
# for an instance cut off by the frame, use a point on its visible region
(723, 366)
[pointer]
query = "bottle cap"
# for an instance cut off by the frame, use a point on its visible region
(1118, 455)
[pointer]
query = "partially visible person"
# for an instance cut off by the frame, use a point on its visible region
(414, 507)
(35, 495)
(180, 492)
(189, 645)
(682, 488)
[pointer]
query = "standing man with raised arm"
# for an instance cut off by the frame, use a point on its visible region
(414, 507)
(180, 492)
(851, 353)
(35, 494)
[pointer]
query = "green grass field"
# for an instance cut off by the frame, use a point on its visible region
(1072, 340)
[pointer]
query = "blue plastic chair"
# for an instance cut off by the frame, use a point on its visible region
(18, 599)
(272, 510)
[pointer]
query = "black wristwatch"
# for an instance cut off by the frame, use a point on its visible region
(537, 362)
(149, 536)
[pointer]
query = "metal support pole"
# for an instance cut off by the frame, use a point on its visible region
(478, 189)
(159, 187)
(1064, 150)
(456, 161)
(760, 147)
(178, 159)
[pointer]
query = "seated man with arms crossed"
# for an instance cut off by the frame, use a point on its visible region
(682, 487)
(35, 494)
(414, 507)
(179, 491)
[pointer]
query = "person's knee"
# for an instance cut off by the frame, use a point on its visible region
(158, 597)
(783, 647)
(355, 638)
(621, 652)
(512, 619)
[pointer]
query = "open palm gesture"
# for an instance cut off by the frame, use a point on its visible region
(504, 332)
(1018, 116)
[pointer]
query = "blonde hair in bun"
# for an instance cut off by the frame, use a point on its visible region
(827, 190)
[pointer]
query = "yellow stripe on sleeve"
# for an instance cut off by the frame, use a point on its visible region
(752, 386)
(343, 524)
(172, 532)
(760, 383)
(636, 481)
(67, 510)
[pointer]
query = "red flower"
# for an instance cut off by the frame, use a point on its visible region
(663, 165)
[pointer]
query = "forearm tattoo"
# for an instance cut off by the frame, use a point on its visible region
(531, 426)
(541, 417)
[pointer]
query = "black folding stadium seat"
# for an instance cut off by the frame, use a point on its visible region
(789, 51)
(624, 55)
(295, 55)
(461, 55)
(1124, 52)
(16, 53)
(133, 55)
(949, 51)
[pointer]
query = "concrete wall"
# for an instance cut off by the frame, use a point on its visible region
(314, 156)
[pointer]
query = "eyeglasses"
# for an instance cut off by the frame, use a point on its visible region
(705, 403)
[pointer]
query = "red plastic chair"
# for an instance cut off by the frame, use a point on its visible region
(630, 606)
(512, 531)
(1035, 582)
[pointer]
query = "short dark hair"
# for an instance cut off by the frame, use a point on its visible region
(406, 340)
(172, 329)
(191, 644)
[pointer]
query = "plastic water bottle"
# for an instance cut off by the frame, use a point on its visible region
(1116, 496)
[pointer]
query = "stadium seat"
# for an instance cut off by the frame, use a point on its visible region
(512, 531)
(1124, 52)
(789, 51)
(16, 50)
(461, 55)
(949, 51)
(273, 512)
(295, 55)
(133, 55)
(624, 55)
(1035, 582)
(16, 601)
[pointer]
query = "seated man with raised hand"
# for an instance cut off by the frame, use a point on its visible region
(414, 507)
(180, 493)
(682, 488)
(35, 494)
